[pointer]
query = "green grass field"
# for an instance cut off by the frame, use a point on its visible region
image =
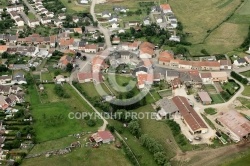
(54, 111)
(210, 88)
(73, 7)
(95, 90)
(246, 91)
(31, 16)
(242, 160)
(216, 98)
(210, 111)
(104, 155)
(246, 74)
(245, 102)
(47, 76)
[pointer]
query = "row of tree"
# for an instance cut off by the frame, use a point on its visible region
(239, 78)
(151, 144)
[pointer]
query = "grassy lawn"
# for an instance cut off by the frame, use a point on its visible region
(93, 90)
(52, 119)
(210, 111)
(210, 88)
(72, 7)
(47, 76)
(208, 121)
(245, 102)
(246, 91)
(216, 98)
(246, 73)
(242, 160)
(230, 86)
(153, 128)
(31, 16)
(165, 93)
(104, 155)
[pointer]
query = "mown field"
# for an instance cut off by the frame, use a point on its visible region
(200, 17)
(104, 155)
(51, 113)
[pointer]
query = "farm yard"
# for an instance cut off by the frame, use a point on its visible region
(202, 28)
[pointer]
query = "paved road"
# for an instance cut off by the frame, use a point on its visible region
(103, 30)
(31, 9)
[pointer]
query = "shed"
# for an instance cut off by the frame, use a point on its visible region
(205, 98)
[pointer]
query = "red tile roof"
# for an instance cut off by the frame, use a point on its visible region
(193, 120)
(165, 6)
(165, 56)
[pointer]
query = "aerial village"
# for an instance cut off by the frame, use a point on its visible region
(198, 95)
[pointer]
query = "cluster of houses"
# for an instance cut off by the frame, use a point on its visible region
(167, 58)
(242, 61)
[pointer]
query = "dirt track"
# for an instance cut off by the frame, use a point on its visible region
(211, 157)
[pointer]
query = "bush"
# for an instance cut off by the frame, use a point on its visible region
(91, 123)
(225, 95)
(239, 77)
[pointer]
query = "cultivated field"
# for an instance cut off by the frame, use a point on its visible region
(201, 16)
(73, 7)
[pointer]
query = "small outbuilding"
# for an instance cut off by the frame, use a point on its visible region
(205, 98)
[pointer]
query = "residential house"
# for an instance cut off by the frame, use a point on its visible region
(247, 58)
(219, 77)
(3, 48)
(91, 29)
(125, 54)
(19, 78)
(225, 64)
(3, 103)
(114, 25)
(206, 78)
(4, 79)
(33, 23)
(116, 40)
(98, 64)
(133, 23)
(81, 45)
(103, 137)
(50, 14)
(89, 77)
(66, 43)
(61, 16)
(144, 79)
(46, 20)
(64, 60)
(101, 46)
(15, 8)
(165, 8)
(120, 9)
(158, 19)
(235, 125)
(147, 50)
(91, 48)
(171, 75)
(205, 98)
(60, 79)
(58, 22)
(41, 87)
(84, 2)
(155, 9)
(240, 62)
(106, 14)
(19, 67)
(78, 30)
(5, 89)
(146, 21)
(165, 57)
(113, 18)
(175, 38)
(189, 116)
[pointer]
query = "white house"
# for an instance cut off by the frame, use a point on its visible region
(84, 1)
(158, 19)
(45, 20)
(15, 8)
(62, 16)
(240, 62)
(114, 25)
(106, 14)
(19, 22)
(165, 8)
(206, 78)
(33, 23)
(175, 38)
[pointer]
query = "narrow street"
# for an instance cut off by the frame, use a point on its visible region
(101, 28)
(31, 9)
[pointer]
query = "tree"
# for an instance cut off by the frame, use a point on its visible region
(160, 158)
(69, 67)
(84, 58)
(5, 55)
(134, 128)
(91, 123)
